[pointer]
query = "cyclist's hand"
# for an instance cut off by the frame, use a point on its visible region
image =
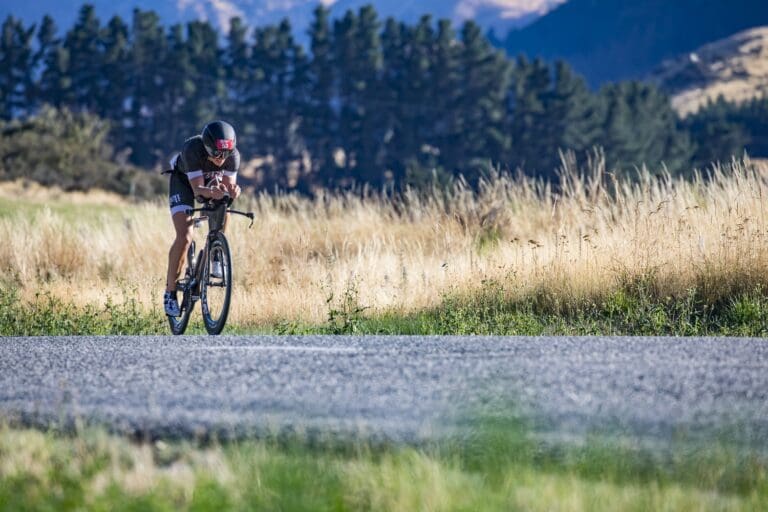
(217, 193)
(234, 190)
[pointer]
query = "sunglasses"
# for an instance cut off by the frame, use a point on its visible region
(224, 148)
(221, 153)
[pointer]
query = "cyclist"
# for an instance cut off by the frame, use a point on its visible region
(206, 168)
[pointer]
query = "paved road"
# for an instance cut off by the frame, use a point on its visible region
(400, 388)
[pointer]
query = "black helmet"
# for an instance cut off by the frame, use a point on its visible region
(219, 139)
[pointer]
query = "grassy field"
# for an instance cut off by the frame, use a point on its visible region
(651, 256)
(499, 467)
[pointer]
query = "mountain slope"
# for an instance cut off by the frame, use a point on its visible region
(609, 40)
(496, 14)
(735, 67)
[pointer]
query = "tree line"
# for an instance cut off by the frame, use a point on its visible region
(369, 102)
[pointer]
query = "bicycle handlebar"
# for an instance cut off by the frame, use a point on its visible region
(211, 208)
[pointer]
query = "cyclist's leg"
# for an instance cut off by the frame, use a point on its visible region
(181, 200)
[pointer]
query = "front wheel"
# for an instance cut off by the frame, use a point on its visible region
(216, 289)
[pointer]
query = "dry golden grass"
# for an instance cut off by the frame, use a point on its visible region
(582, 241)
(34, 192)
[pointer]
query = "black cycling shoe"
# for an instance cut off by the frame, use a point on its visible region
(171, 304)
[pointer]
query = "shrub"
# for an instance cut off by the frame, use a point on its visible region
(69, 150)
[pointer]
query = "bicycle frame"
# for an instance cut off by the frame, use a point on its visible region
(217, 214)
(197, 281)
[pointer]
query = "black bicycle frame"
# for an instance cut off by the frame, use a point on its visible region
(216, 214)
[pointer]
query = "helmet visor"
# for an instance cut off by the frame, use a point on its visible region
(223, 148)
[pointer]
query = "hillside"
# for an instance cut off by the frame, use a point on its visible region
(735, 68)
(606, 40)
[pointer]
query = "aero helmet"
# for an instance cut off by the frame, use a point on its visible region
(219, 139)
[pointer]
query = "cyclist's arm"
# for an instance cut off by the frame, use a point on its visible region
(230, 182)
(229, 179)
(199, 189)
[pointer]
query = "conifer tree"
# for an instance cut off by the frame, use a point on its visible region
(237, 75)
(415, 96)
(444, 87)
(641, 128)
(345, 53)
(527, 118)
(113, 77)
(320, 125)
(207, 73)
(753, 116)
(485, 75)
(393, 86)
(145, 88)
(83, 45)
(367, 144)
(54, 82)
(16, 60)
(175, 94)
(573, 116)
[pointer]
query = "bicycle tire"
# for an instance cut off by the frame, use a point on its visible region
(179, 324)
(217, 244)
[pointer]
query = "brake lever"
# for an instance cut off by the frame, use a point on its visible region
(250, 215)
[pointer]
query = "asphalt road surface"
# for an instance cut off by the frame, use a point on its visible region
(394, 388)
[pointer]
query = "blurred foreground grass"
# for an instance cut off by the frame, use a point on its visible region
(497, 467)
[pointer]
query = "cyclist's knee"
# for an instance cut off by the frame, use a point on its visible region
(183, 239)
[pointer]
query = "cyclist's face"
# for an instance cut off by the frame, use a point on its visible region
(218, 162)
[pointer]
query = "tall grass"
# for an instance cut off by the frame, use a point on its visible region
(557, 248)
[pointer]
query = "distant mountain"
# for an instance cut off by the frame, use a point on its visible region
(499, 15)
(609, 40)
(735, 68)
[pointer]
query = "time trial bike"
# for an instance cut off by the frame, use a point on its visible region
(199, 283)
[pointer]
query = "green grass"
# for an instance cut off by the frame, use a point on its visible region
(498, 466)
(629, 310)
(69, 212)
(50, 316)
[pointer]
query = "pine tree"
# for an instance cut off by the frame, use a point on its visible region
(320, 123)
(177, 86)
(753, 116)
(237, 75)
(113, 77)
(145, 88)
(367, 145)
(430, 129)
(485, 78)
(530, 147)
(46, 45)
(344, 56)
(393, 97)
(642, 129)
(416, 101)
(53, 85)
(83, 45)
(277, 60)
(445, 85)
(718, 135)
(573, 116)
(207, 101)
(16, 63)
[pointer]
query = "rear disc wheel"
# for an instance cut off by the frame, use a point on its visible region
(179, 323)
